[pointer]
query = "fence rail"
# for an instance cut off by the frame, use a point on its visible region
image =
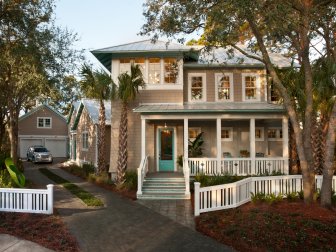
(237, 166)
(27, 200)
(142, 171)
(232, 195)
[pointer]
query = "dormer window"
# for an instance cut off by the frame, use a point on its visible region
(44, 122)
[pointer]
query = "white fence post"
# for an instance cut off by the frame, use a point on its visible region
(50, 199)
(197, 186)
(139, 192)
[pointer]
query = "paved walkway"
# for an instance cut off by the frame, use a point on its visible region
(10, 243)
(122, 225)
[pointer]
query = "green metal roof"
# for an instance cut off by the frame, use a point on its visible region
(229, 107)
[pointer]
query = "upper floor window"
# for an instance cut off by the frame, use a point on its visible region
(44, 122)
(85, 140)
(251, 87)
(154, 70)
(197, 87)
(125, 65)
(170, 70)
(259, 134)
(224, 87)
(142, 64)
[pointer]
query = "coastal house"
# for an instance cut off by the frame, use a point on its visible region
(83, 127)
(188, 91)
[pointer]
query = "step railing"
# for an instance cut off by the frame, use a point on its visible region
(27, 200)
(232, 195)
(142, 171)
(237, 166)
(186, 173)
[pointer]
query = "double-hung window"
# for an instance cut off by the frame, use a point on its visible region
(44, 122)
(227, 134)
(197, 87)
(274, 134)
(251, 87)
(125, 65)
(85, 140)
(154, 71)
(170, 70)
(224, 87)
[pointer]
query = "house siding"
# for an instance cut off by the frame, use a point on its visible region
(28, 125)
(237, 82)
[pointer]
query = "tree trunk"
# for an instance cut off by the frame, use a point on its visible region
(101, 139)
(328, 164)
(13, 131)
(122, 152)
(293, 154)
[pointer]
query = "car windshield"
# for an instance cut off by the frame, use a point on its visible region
(41, 150)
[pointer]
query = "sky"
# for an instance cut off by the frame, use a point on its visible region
(101, 23)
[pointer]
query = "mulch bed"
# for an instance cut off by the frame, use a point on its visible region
(46, 230)
(283, 226)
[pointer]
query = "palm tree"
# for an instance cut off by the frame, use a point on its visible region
(128, 88)
(96, 84)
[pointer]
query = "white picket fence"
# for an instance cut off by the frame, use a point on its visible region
(237, 166)
(27, 200)
(232, 195)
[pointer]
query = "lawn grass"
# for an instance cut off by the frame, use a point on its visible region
(85, 196)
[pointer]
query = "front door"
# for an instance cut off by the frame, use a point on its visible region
(166, 149)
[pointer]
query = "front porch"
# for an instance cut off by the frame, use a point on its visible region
(234, 144)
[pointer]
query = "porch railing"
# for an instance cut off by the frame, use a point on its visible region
(232, 195)
(27, 200)
(142, 171)
(237, 166)
(186, 173)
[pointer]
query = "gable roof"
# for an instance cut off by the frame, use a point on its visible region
(34, 110)
(92, 108)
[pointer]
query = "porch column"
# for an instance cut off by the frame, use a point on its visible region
(185, 137)
(219, 143)
(252, 145)
(285, 151)
(143, 138)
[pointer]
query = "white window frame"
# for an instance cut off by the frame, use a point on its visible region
(44, 124)
(262, 131)
(277, 133)
(197, 129)
(258, 87)
(204, 94)
(217, 78)
(85, 148)
(230, 139)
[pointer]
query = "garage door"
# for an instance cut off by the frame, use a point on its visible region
(57, 147)
(26, 143)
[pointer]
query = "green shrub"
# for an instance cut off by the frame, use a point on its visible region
(103, 178)
(5, 179)
(131, 180)
(300, 195)
(206, 180)
(293, 196)
(88, 168)
(269, 198)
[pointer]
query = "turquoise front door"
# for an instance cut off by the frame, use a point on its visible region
(166, 149)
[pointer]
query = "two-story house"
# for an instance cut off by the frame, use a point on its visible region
(189, 91)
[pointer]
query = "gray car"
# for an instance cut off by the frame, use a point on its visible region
(39, 154)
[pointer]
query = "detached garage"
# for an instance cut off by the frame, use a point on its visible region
(43, 126)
